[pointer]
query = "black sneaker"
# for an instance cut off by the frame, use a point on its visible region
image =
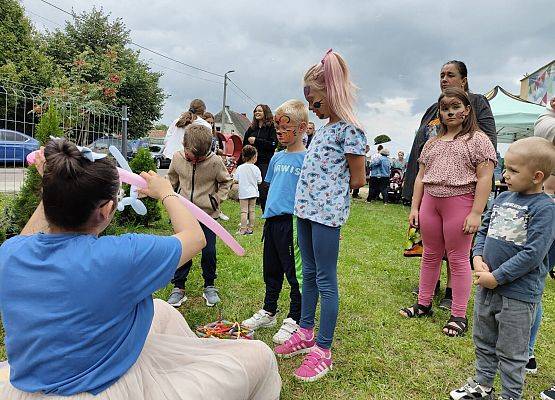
(532, 366)
(548, 394)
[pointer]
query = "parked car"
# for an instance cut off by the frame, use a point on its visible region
(134, 145)
(161, 160)
(15, 146)
(101, 145)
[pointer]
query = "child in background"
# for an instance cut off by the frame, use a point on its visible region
(334, 163)
(281, 251)
(450, 193)
(249, 177)
(511, 263)
(200, 176)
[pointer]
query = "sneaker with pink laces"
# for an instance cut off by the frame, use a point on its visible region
(300, 342)
(315, 365)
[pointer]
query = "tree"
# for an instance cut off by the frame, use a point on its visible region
(142, 161)
(91, 38)
(22, 57)
(161, 127)
(381, 139)
(29, 195)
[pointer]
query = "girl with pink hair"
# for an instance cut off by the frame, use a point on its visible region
(333, 165)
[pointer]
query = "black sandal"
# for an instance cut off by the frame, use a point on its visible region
(457, 324)
(418, 310)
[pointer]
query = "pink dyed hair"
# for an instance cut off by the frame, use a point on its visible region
(332, 75)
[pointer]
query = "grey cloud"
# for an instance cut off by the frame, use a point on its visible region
(394, 48)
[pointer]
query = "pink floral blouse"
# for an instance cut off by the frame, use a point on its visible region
(450, 166)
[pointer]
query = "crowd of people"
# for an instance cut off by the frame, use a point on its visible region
(77, 306)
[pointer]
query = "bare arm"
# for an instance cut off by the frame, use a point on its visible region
(357, 169)
(417, 194)
(37, 223)
(186, 227)
(484, 172)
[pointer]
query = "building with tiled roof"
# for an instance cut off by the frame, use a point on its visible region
(235, 123)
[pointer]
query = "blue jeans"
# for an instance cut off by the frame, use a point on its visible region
(535, 329)
(319, 245)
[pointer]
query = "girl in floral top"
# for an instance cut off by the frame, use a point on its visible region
(334, 164)
(450, 193)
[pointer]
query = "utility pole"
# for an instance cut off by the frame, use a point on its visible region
(223, 107)
(124, 120)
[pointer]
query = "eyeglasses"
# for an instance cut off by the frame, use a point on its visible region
(317, 104)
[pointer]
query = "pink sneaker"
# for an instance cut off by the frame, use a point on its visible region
(315, 365)
(299, 343)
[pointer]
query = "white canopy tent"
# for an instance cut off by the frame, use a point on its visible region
(514, 117)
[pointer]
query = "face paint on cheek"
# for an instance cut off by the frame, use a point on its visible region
(460, 115)
(287, 137)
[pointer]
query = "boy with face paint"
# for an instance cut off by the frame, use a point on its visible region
(281, 252)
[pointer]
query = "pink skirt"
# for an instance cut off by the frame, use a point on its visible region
(176, 365)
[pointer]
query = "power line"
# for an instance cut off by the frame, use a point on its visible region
(183, 73)
(143, 47)
(150, 60)
(44, 18)
(242, 91)
(239, 95)
(173, 59)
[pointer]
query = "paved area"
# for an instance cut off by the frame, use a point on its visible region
(11, 179)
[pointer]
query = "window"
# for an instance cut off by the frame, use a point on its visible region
(9, 136)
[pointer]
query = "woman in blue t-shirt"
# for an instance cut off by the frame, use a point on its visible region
(77, 308)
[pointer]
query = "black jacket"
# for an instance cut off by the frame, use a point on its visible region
(265, 143)
(486, 123)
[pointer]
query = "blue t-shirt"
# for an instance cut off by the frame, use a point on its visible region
(283, 174)
(323, 190)
(77, 308)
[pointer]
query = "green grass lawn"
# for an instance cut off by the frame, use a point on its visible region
(377, 353)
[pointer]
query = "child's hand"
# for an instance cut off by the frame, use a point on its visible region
(479, 265)
(472, 223)
(40, 160)
(158, 186)
(485, 279)
(413, 218)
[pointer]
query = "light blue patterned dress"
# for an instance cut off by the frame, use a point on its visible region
(323, 190)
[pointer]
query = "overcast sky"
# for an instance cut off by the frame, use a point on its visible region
(395, 49)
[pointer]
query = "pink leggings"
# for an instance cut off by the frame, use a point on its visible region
(441, 222)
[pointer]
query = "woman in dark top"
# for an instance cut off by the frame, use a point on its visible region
(453, 73)
(262, 135)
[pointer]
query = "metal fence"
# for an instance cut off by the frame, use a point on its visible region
(21, 107)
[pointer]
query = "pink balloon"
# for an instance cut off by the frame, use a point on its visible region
(31, 157)
(201, 216)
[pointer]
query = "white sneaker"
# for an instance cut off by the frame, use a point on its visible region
(260, 319)
(224, 217)
(288, 327)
